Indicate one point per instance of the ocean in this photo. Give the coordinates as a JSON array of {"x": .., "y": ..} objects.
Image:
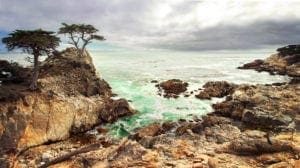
[{"x": 130, "y": 72}]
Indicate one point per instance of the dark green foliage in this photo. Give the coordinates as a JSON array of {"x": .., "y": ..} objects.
[
  {"x": 36, "y": 42},
  {"x": 289, "y": 50},
  {"x": 80, "y": 34},
  {"x": 10, "y": 72}
]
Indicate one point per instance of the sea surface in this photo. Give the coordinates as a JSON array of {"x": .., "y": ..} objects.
[{"x": 130, "y": 72}]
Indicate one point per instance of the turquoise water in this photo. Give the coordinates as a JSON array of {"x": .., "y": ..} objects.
[{"x": 130, "y": 71}]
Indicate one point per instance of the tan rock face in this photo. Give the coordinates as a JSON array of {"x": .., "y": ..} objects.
[{"x": 56, "y": 119}]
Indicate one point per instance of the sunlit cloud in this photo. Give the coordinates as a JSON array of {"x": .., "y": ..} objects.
[{"x": 172, "y": 24}]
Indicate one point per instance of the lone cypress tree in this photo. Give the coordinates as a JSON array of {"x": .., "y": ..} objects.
[
  {"x": 80, "y": 35},
  {"x": 35, "y": 42}
]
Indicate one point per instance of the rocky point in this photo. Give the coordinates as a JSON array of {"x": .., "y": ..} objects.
[{"x": 71, "y": 99}]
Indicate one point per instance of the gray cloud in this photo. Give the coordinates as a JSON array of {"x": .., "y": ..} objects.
[
  {"x": 172, "y": 24},
  {"x": 255, "y": 35}
]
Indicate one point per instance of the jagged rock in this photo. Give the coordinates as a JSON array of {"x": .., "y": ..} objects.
[
  {"x": 72, "y": 75},
  {"x": 286, "y": 62},
  {"x": 150, "y": 130},
  {"x": 261, "y": 118},
  {"x": 216, "y": 89},
  {"x": 232, "y": 109},
  {"x": 101, "y": 130},
  {"x": 133, "y": 154},
  {"x": 173, "y": 87},
  {"x": 115, "y": 109},
  {"x": 262, "y": 106},
  {"x": 256, "y": 64},
  {"x": 256, "y": 142}
]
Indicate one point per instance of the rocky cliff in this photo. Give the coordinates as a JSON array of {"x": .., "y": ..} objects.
[{"x": 71, "y": 99}]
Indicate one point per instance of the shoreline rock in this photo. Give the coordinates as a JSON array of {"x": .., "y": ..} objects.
[
  {"x": 216, "y": 89},
  {"x": 285, "y": 62},
  {"x": 172, "y": 88}
]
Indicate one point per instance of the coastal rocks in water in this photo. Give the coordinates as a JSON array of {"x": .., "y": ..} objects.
[
  {"x": 262, "y": 106},
  {"x": 285, "y": 62},
  {"x": 153, "y": 129},
  {"x": 216, "y": 89},
  {"x": 115, "y": 109},
  {"x": 233, "y": 109},
  {"x": 172, "y": 88}
]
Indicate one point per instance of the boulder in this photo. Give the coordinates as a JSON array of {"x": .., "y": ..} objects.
[
  {"x": 261, "y": 118},
  {"x": 115, "y": 109},
  {"x": 216, "y": 89},
  {"x": 256, "y": 142},
  {"x": 173, "y": 87},
  {"x": 151, "y": 130}
]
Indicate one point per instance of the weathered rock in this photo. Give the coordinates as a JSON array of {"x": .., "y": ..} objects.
[
  {"x": 150, "y": 130},
  {"x": 286, "y": 62},
  {"x": 256, "y": 64},
  {"x": 132, "y": 154},
  {"x": 232, "y": 109},
  {"x": 256, "y": 142},
  {"x": 101, "y": 130},
  {"x": 115, "y": 109},
  {"x": 67, "y": 73},
  {"x": 173, "y": 87},
  {"x": 262, "y": 106},
  {"x": 216, "y": 89},
  {"x": 261, "y": 118}
]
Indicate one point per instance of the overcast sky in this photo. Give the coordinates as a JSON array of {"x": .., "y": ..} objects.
[{"x": 172, "y": 24}]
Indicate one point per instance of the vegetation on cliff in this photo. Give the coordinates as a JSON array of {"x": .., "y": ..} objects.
[
  {"x": 80, "y": 35},
  {"x": 35, "y": 42}
]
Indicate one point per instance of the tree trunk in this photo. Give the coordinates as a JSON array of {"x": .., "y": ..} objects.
[
  {"x": 82, "y": 49},
  {"x": 33, "y": 85}
]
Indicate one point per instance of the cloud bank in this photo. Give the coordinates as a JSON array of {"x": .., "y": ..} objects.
[{"x": 172, "y": 24}]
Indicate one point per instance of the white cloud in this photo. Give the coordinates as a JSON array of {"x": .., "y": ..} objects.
[{"x": 154, "y": 22}]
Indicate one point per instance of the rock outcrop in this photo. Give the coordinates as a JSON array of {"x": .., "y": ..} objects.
[
  {"x": 216, "y": 89},
  {"x": 262, "y": 106},
  {"x": 172, "y": 88},
  {"x": 71, "y": 99},
  {"x": 285, "y": 62}
]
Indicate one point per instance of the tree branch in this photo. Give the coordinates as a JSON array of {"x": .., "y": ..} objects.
[{"x": 69, "y": 155}]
